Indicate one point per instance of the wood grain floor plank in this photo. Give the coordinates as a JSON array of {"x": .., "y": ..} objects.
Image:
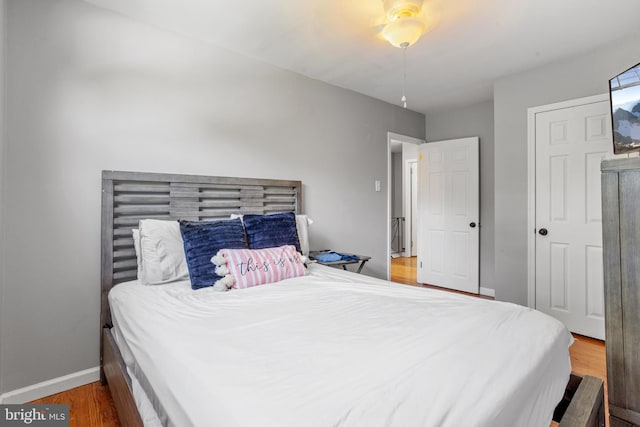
[
  {"x": 403, "y": 270},
  {"x": 89, "y": 406}
]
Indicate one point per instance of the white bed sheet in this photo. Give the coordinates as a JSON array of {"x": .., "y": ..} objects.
[{"x": 335, "y": 348}]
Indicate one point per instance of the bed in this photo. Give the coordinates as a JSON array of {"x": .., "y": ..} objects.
[{"x": 328, "y": 348}]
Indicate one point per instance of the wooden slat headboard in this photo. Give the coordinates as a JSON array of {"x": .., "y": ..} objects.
[{"x": 128, "y": 197}]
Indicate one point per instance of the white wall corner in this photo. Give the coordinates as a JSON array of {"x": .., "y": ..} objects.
[
  {"x": 47, "y": 388},
  {"x": 487, "y": 292}
]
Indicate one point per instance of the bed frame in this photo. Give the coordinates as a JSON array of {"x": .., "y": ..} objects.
[
  {"x": 582, "y": 404},
  {"x": 128, "y": 197}
]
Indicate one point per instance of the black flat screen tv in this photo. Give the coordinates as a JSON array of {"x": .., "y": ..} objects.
[{"x": 624, "y": 91}]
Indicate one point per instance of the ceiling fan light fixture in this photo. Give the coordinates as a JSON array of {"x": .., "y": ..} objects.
[
  {"x": 403, "y": 32},
  {"x": 397, "y": 9}
]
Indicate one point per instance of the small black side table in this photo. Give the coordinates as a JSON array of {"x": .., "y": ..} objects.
[{"x": 362, "y": 259}]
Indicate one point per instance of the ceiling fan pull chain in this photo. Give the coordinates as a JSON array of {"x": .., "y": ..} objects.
[{"x": 404, "y": 76}]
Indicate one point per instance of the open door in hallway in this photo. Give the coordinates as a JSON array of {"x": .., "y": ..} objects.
[{"x": 448, "y": 211}]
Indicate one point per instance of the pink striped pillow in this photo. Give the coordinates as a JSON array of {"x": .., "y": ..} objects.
[{"x": 244, "y": 268}]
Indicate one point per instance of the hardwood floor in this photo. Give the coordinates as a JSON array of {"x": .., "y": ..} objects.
[
  {"x": 403, "y": 270},
  {"x": 89, "y": 406},
  {"x": 92, "y": 406}
]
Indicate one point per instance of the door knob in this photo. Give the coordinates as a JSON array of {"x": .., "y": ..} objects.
[
  {"x": 543, "y": 232},
  {"x": 472, "y": 225}
]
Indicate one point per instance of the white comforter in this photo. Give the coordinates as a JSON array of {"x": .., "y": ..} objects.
[{"x": 339, "y": 349}]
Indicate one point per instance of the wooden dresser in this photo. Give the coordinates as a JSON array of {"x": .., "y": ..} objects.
[{"x": 621, "y": 245}]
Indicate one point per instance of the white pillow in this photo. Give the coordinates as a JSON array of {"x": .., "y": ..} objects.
[
  {"x": 162, "y": 252},
  {"x": 302, "y": 224},
  {"x": 136, "y": 246}
]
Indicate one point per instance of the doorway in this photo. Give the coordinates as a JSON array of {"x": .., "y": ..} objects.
[{"x": 402, "y": 150}]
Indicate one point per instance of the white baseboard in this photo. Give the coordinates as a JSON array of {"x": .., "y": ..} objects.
[
  {"x": 488, "y": 292},
  {"x": 47, "y": 388}
]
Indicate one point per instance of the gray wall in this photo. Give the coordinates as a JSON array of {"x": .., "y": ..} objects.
[
  {"x": 90, "y": 90},
  {"x": 573, "y": 78},
  {"x": 473, "y": 120}
]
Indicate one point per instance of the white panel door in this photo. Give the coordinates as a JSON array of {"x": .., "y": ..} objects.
[
  {"x": 570, "y": 144},
  {"x": 448, "y": 211}
]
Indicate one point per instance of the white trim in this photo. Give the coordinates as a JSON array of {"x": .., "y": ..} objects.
[
  {"x": 3, "y": 142},
  {"x": 399, "y": 138},
  {"x": 531, "y": 207},
  {"x": 407, "y": 187},
  {"x": 488, "y": 292},
  {"x": 404, "y": 138},
  {"x": 388, "y": 257},
  {"x": 531, "y": 184},
  {"x": 53, "y": 386}
]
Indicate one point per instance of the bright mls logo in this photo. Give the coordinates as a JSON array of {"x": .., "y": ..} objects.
[{"x": 34, "y": 415}]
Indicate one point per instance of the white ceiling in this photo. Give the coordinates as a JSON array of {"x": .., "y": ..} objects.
[{"x": 469, "y": 45}]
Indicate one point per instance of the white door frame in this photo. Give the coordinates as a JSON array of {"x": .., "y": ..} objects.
[
  {"x": 407, "y": 205},
  {"x": 391, "y": 136},
  {"x": 531, "y": 185}
]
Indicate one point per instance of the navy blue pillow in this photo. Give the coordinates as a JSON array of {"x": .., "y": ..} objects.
[
  {"x": 270, "y": 231},
  {"x": 202, "y": 240}
]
